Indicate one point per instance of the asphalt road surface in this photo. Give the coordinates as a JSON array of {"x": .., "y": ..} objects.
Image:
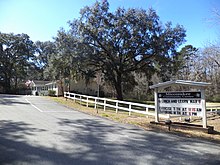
[{"x": 38, "y": 131}]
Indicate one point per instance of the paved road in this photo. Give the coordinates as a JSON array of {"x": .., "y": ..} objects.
[{"x": 37, "y": 131}]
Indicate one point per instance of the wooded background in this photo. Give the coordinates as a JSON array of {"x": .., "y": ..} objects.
[{"x": 130, "y": 48}]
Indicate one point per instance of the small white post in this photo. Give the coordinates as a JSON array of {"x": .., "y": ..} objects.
[
  {"x": 74, "y": 98},
  {"x": 95, "y": 104},
  {"x": 156, "y": 105},
  {"x": 87, "y": 102},
  {"x": 147, "y": 111},
  {"x": 80, "y": 99},
  {"x": 104, "y": 104},
  {"x": 116, "y": 107},
  {"x": 65, "y": 95},
  {"x": 204, "y": 114},
  {"x": 129, "y": 110}
]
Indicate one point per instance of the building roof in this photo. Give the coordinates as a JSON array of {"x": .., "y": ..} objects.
[
  {"x": 51, "y": 83},
  {"x": 38, "y": 82},
  {"x": 180, "y": 82}
]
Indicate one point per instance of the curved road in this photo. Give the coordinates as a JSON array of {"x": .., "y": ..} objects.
[{"x": 35, "y": 130}]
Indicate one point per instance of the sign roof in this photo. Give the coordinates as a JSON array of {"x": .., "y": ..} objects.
[{"x": 180, "y": 82}]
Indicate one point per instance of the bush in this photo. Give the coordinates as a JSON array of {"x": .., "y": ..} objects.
[
  {"x": 51, "y": 93},
  {"x": 216, "y": 98}
]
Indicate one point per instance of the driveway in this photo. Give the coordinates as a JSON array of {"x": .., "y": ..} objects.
[{"x": 35, "y": 130}]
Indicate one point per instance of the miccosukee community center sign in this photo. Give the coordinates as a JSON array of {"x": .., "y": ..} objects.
[{"x": 181, "y": 103}]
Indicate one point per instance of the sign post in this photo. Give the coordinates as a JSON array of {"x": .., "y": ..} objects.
[
  {"x": 156, "y": 105},
  {"x": 204, "y": 114}
]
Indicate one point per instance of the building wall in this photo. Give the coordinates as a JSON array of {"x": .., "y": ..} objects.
[
  {"x": 39, "y": 90},
  {"x": 77, "y": 86},
  {"x": 55, "y": 86},
  {"x": 80, "y": 86}
]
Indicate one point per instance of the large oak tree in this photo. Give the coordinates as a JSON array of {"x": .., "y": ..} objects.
[{"x": 124, "y": 41}]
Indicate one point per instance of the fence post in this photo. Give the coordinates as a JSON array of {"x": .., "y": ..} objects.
[
  {"x": 80, "y": 99},
  {"x": 129, "y": 110},
  {"x": 147, "y": 111},
  {"x": 74, "y": 98},
  {"x": 104, "y": 104},
  {"x": 95, "y": 104},
  {"x": 65, "y": 96},
  {"x": 117, "y": 107},
  {"x": 87, "y": 104}
]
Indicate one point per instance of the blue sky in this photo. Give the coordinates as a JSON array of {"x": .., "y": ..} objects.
[{"x": 41, "y": 19}]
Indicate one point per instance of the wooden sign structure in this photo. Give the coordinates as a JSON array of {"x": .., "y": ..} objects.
[{"x": 182, "y": 103}]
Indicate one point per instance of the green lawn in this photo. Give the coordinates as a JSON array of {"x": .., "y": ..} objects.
[{"x": 212, "y": 104}]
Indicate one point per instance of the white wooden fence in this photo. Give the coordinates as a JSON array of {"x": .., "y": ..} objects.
[
  {"x": 213, "y": 109},
  {"x": 115, "y": 104},
  {"x": 145, "y": 109}
]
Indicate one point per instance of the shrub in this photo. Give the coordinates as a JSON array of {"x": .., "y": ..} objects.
[
  {"x": 51, "y": 93},
  {"x": 216, "y": 98}
]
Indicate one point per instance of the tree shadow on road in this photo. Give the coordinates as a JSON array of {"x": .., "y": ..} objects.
[
  {"x": 14, "y": 149},
  {"x": 92, "y": 141},
  {"x": 129, "y": 145},
  {"x": 12, "y": 99}
]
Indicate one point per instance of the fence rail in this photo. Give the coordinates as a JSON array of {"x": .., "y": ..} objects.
[
  {"x": 213, "y": 109},
  {"x": 130, "y": 107},
  {"x": 116, "y": 104}
]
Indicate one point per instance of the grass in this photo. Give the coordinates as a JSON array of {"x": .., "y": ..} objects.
[
  {"x": 212, "y": 104},
  {"x": 142, "y": 120},
  {"x": 140, "y": 101}
]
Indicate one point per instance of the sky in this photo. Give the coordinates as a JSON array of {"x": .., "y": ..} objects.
[{"x": 41, "y": 19}]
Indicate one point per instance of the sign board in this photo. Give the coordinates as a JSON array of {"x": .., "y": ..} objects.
[{"x": 180, "y": 103}]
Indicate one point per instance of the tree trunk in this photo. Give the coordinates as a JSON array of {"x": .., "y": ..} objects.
[
  {"x": 61, "y": 87},
  {"x": 7, "y": 85},
  {"x": 16, "y": 83},
  {"x": 119, "y": 91},
  {"x": 118, "y": 87}
]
